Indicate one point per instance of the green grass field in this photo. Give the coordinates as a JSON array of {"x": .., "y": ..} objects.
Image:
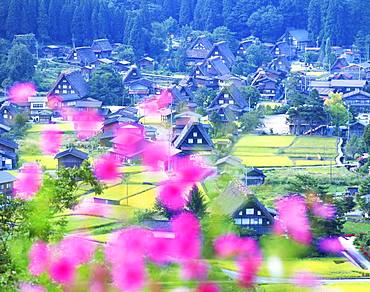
[
  {"x": 356, "y": 227},
  {"x": 77, "y": 222},
  {"x": 285, "y": 151}
]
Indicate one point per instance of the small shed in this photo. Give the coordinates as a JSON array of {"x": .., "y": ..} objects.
[
  {"x": 254, "y": 177},
  {"x": 6, "y": 183},
  {"x": 71, "y": 157}
]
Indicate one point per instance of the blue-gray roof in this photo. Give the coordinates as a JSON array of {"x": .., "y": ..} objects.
[
  {"x": 8, "y": 143},
  {"x": 6, "y": 177},
  {"x": 74, "y": 152}
]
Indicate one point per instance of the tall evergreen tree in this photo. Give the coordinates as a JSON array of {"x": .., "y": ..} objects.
[
  {"x": 4, "y": 6},
  {"x": 186, "y": 12},
  {"x": 14, "y": 18},
  {"x": 314, "y": 25},
  {"x": 66, "y": 17},
  {"x": 54, "y": 14},
  {"x": 42, "y": 22}
]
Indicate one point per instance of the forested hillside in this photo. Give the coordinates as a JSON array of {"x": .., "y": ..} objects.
[{"x": 137, "y": 22}]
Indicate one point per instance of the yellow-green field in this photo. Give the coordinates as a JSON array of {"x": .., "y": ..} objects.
[{"x": 280, "y": 151}]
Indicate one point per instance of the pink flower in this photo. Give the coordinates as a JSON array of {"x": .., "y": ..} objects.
[
  {"x": 38, "y": 258},
  {"x": 164, "y": 99},
  {"x": 51, "y": 141},
  {"x": 186, "y": 225},
  {"x": 27, "y": 287},
  {"x": 99, "y": 279},
  {"x": 155, "y": 154},
  {"x": 86, "y": 123},
  {"x": 160, "y": 250},
  {"x": 54, "y": 102},
  {"x": 292, "y": 219},
  {"x": 325, "y": 211},
  {"x": 129, "y": 276},
  {"x": 28, "y": 181},
  {"x": 305, "y": 279},
  {"x": 227, "y": 245},
  {"x": 192, "y": 170},
  {"x": 129, "y": 140},
  {"x": 330, "y": 245},
  {"x": 173, "y": 194},
  {"x": 20, "y": 92},
  {"x": 208, "y": 287},
  {"x": 249, "y": 266},
  {"x": 194, "y": 270},
  {"x": 62, "y": 270},
  {"x": 78, "y": 249},
  {"x": 88, "y": 207},
  {"x": 106, "y": 168},
  {"x": 128, "y": 244},
  {"x": 154, "y": 104}
]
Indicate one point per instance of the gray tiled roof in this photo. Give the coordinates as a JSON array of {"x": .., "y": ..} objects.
[
  {"x": 74, "y": 152},
  {"x": 6, "y": 177},
  {"x": 101, "y": 45}
]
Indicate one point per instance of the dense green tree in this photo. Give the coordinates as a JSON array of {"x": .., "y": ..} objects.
[
  {"x": 294, "y": 12},
  {"x": 106, "y": 85},
  {"x": 315, "y": 21},
  {"x": 250, "y": 121},
  {"x": 4, "y": 6},
  {"x": 251, "y": 95},
  {"x": 54, "y": 14},
  {"x": 14, "y": 20},
  {"x": 266, "y": 23},
  {"x": 196, "y": 203},
  {"x": 366, "y": 136},
  {"x": 355, "y": 146},
  {"x": 20, "y": 64},
  {"x": 186, "y": 11}
]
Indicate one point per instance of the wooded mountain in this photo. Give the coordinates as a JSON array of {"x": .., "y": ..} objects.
[{"x": 132, "y": 21}]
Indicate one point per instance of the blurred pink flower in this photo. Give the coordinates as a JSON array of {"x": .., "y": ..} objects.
[
  {"x": 28, "y": 181},
  {"x": 155, "y": 154},
  {"x": 173, "y": 194},
  {"x": 63, "y": 270},
  {"x": 86, "y": 123},
  {"x": 248, "y": 268},
  {"x": 160, "y": 250},
  {"x": 306, "y": 279},
  {"x": 292, "y": 219},
  {"x": 191, "y": 171},
  {"x": 164, "y": 99},
  {"x": 129, "y": 140},
  {"x": 54, "y": 102},
  {"x": 194, "y": 270},
  {"x": 227, "y": 245},
  {"x": 330, "y": 245},
  {"x": 325, "y": 211},
  {"x": 38, "y": 258},
  {"x": 88, "y": 207},
  {"x": 20, "y": 92},
  {"x": 154, "y": 104},
  {"x": 78, "y": 249},
  {"x": 51, "y": 141},
  {"x": 99, "y": 279},
  {"x": 129, "y": 276},
  {"x": 131, "y": 243},
  {"x": 208, "y": 287},
  {"x": 106, "y": 168},
  {"x": 27, "y": 287}
]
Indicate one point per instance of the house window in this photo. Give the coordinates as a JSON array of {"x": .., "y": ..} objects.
[
  {"x": 57, "y": 91},
  {"x": 260, "y": 221},
  {"x": 38, "y": 105},
  {"x": 64, "y": 91},
  {"x": 195, "y": 134},
  {"x": 59, "y": 86},
  {"x": 249, "y": 211},
  {"x": 240, "y": 213},
  {"x": 65, "y": 86},
  {"x": 258, "y": 212},
  {"x": 238, "y": 221},
  {"x": 268, "y": 222},
  {"x": 231, "y": 101},
  {"x": 216, "y": 52},
  {"x": 226, "y": 95},
  {"x": 190, "y": 141},
  {"x": 72, "y": 91},
  {"x": 246, "y": 221},
  {"x": 5, "y": 116},
  {"x": 2, "y": 187},
  {"x": 199, "y": 141},
  {"x": 209, "y": 66},
  {"x": 197, "y": 72},
  {"x": 221, "y": 101}
]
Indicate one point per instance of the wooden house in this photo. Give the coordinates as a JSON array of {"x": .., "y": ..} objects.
[
  {"x": 70, "y": 85},
  {"x": 198, "y": 50},
  {"x": 338, "y": 65},
  {"x": 39, "y": 111},
  {"x": 357, "y": 128},
  {"x": 4, "y": 127},
  {"x": 345, "y": 86},
  {"x": 182, "y": 119},
  {"x": 267, "y": 82},
  {"x": 181, "y": 94},
  {"x": 70, "y": 158},
  {"x": 146, "y": 63},
  {"x": 297, "y": 38},
  {"x": 254, "y": 177},
  {"x": 222, "y": 50},
  {"x": 193, "y": 138},
  {"x": 227, "y": 163},
  {"x": 8, "y": 112},
  {"x": 102, "y": 48},
  {"x": 358, "y": 71},
  {"x": 8, "y": 155},
  {"x": 283, "y": 48},
  {"x": 53, "y": 51},
  {"x": 136, "y": 84},
  {"x": 6, "y": 183},
  {"x": 245, "y": 44},
  {"x": 280, "y": 63},
  {"x": 211, "y": 67},
  {"x": 247, "y": 212},
  {"x": 358, "y": 101},
  {"x": 82, "y": 56},
  {"x": 122, "y": 66}
]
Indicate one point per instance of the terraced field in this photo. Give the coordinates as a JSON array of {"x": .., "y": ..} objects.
[{"x": 280, "y": 151}]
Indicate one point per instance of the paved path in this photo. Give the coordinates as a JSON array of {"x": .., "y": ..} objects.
[
  {"x": 352, "y": 254},
  {"x": 268, "y": 280}
]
